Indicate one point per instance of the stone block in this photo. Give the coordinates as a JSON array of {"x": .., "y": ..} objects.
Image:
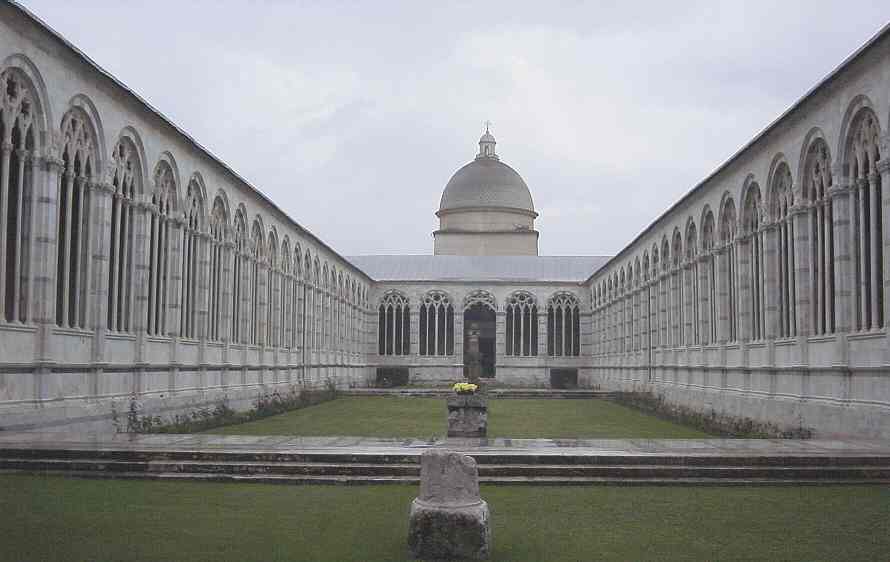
[
  {"x": 467, "y": 415},
  {"x": 449, "y": 520}
]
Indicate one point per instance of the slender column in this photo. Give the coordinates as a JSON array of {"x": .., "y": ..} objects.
[
  {"x": 82, "y": 256},
  {"x": 817, "y": 265},
  {"x": 875, "y": 247},
  {"x": 863, "y": 257},
  {"x": 883, "y": 167},
  {"x": 116, "y": 244},
  {"x": 19, "y": 235},
  {"x": 5, "y": 154}
]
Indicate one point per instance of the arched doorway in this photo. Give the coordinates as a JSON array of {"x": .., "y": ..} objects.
[{"x": 480, "y": 339}]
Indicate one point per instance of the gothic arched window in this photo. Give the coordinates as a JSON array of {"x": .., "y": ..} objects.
[
  {"x": 780, "y": 205},
  {"x": 436, "y": 324},
  {"x": 863, "y": 154},
  {"x": 218, "y": 225},
  {"x": 394, "y": 325},
  {"x": 751, "y": 228},
  {"x": 79, "y": 166},
  {"x": 191, "y": 250},
  {"x": 163, "y": 204},
  {"x": 521, "y": 318},
  {"x": 17, "y": 170},
  {"x": 126, "y": 182},
  {"x": 563, "y": 326},
  {"x": 239, "y": 274},
  {"x": 817, "y": 181},
  {"x": 729, "y": 269}
]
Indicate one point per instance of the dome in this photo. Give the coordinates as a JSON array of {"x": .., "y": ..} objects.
[{"x": 486, "y": 182}]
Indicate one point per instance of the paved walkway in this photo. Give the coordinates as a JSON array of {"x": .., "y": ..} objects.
[{"x": 409, "y": 447}]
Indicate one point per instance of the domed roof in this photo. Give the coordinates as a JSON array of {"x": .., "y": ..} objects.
[{"x": 486, "y": 182}]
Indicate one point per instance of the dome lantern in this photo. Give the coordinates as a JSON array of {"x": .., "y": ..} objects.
[{"x": 487, "y": 144}]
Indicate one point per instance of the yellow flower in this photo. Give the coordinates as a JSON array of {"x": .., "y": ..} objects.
[{"x": 464, "y": 387}]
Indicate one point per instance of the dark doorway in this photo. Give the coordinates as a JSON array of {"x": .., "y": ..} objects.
[
  {"x": 563, "y": 378},
  {"x": 479, "y": 324}
]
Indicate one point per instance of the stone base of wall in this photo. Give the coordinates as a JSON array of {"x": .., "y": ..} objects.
[
  {"x": 825, "y": 416},
  {"x": 532, "y": 376},
  {"x": 109, "y": 413}
]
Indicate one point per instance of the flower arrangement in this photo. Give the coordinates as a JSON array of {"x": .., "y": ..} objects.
[{"x": 464, "y": 388}]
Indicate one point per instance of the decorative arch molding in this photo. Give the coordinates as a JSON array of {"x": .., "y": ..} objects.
[
  {"x": 480, "y": 297},
  {"x": 131, "y": 135},
  {"x": 851, "y": 116},
  {"x": 166, "y": 181},
  {"x": 86, "y": 105},
  {"x": 196, "y": 181},
  {"x": 813, "y": 137},
  {"x": 28, "y": 70}
]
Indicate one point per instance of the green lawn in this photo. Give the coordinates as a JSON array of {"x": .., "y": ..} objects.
[
  {"x": 59, "y": 519},
  {"x": 424, "y": 417}
]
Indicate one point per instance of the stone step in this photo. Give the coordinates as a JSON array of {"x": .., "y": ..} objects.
[
  {"x": 414, "y": 480},
  {"x": 534, "y": 471},
  {"x": 492, "y": 393},
  {"x": 564, "y": 458}
]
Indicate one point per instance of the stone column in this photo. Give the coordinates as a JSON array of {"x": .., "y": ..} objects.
[
  {"x": 883, "y": 170},
  {"x": 803, "y": 273},
  {"x": 772, "y": 264},
  {"x": 722, "y": 293},
  {"x": 99, "y": 243},
  {"x": 43, "y": 259},
  {"x": 844, "y": 261}
]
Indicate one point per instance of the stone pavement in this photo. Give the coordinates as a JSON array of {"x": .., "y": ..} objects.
[{"x": 475, "y": 446}]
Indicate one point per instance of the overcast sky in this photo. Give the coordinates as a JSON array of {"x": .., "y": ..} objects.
[{"x": 353, "y": 116}]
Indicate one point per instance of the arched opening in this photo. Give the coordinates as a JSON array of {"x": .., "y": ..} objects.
[{"x": 479, "y": 340}]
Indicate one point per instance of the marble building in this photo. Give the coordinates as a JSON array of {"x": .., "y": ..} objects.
[{"x": 135, "y": 265}]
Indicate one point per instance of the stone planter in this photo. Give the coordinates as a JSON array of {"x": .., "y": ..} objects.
[{"x": 467, "y": 415}]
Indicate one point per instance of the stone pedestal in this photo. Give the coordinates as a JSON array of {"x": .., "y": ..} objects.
[
  {"x": 467, "y": 415},
  {"x": 449, "y": 520}
]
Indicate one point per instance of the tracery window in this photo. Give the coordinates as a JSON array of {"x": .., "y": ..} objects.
[
  {"x": 239, "y": 278},
  {"x": 17, "y": 164},
  {"x": 394, "y": 325},
  {"x": 218, "y": 222},
  {"x": 563, "y": 326},
  {"x": 191, "y": 250},
  {"x": 255, "y": 266},
  {"x": 781, "y": 201},
  {"x": 286, "y": 311},
  {"x": 75, "y": 199},
  {"x": 436, "y": 324},
  {"x": 297, "y": 299},
  {"x": 163, "y": 205},
  {"x": 521, "y": 318},
  {"x": 691, "y": 275},
  {"x": 729, "y": 270},
  {"x": 666, "y": 299},
  {"x": 709, "y": 316},
  {"x": 655, "y": 299},
  {"x": 751, "y": 227},
  {"x": 863, "y": 156},
  {"x": 271, "y": 335},
  {"x": 816, "y": 184},
  {"x": 678, "y": 315},
  {"x": 124, "y": 181}
]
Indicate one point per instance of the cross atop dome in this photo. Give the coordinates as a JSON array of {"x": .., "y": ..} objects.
[{"x": 487, "y": 144}]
